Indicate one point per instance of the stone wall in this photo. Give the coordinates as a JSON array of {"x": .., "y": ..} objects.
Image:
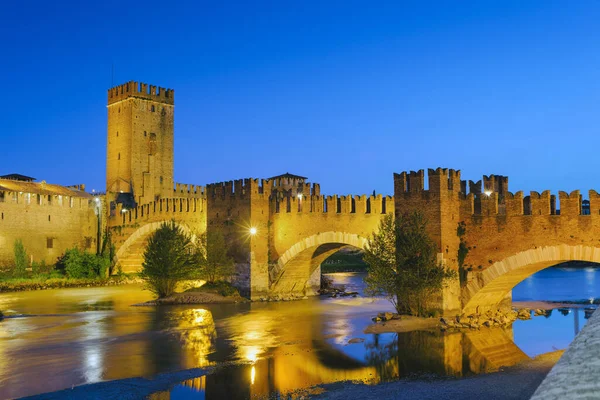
[{"x": 46, "y": 227}]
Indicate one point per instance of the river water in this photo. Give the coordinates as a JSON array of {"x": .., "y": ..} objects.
[{"x": 71, "y": 337}]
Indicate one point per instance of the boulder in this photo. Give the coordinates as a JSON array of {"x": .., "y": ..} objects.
[{"x": 388, "y": 316}]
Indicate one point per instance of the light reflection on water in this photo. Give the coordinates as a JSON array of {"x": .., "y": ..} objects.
[{"x": 89, "y": 335}]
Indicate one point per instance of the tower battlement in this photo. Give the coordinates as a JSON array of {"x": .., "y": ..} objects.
[{"x": 142, "y": 91}]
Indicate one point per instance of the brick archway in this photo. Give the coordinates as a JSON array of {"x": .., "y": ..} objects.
[
  {"x": 297, "y": 270},
  {"x": 491, "y": 286}
]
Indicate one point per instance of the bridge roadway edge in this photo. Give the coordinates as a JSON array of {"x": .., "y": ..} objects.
[{"x": 575, "y": 375}]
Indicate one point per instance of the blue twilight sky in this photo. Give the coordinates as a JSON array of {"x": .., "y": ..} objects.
[{"x": 343, "y": 92}]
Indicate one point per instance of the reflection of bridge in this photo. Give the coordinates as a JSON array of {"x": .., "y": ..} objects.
[
  {"x": 509, "y": 236},
  {"x": 285, "y": 356}
]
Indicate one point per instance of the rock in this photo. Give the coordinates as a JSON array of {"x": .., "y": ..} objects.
[
  {"x": 487, "y": 324},
  {"x": 305, "y": 298},
  {"x": 524, "y": 313},
  {"x": 388, "y": 316}
]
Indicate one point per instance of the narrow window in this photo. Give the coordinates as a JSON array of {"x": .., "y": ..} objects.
[
  {"x": 152, "y": 108},
  {"x": 49, "y": 243},
  {"x": 2, "y": 215},
  {"x": 353, "y": 206},
  {"x": 28, "y": 198},
  {"x": 117, "y": 133},
  {"x": 15, "y": 197},
  {"x": 369, "y": 205},
  {"x": 50, "y": 199},
  {"x": 39, "y": 199},
  {"x": 145, "y": 133},
  {"x": 48, "y": 218},
  {"x": 119, "y": 156},
  {"x": 1, "y": 197}
]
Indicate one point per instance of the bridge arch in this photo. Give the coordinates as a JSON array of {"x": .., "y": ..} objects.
[
  {"x": 297, "y": 269},
  {"x": 491, "y": 286},
  {"x": 130, "y": 254}
]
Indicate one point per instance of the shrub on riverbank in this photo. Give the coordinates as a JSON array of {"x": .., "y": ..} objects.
[
  {"x": 170, "y": 257},
  {"x": 80, "y": 264}
]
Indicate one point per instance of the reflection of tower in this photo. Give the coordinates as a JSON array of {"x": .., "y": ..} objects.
[{"x": 576, "y": 321}]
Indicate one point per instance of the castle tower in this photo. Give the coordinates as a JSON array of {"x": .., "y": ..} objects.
[{"x": 139, "y": 159}]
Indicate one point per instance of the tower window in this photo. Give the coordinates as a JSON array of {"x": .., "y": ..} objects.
[
  {"x": 49, "y": 243},
  {"x": 117, "y": 134},
  {"x": 119, "y": 156},
  {"x": 145, "y": 133},
  {"x": 152, "y": 108}
]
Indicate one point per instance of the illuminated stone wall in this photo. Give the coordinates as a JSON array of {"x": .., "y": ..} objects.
[{"x": 48, "y": 224}]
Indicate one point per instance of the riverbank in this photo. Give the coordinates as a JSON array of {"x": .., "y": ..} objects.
[
  {"x": 514, "y": 383},
  {"x": 44, "y": 283},
  {"x": 195, "y": 297}
]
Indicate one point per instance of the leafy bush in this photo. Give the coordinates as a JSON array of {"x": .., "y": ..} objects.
[
  {"x": 81, "y": 264},
  {"x": 169, "y": 258},
  {"x": 20, "y": 258}
]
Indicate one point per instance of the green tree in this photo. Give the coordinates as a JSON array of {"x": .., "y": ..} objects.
[
  {"x": 169, "y": 258},
  {"x": 213, "y": 253},
  {"x": 380, "y": 256},
  {"x": 20, "y": 258},
  {"x": 412, "y": 276}
]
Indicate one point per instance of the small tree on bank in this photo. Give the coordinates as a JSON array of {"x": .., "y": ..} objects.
[
  {"x": 21, "y": 263},
  {"x": 169, "y": 258},
  {"x": 407, "y": 272},
  {"x": 214, "y": 259}
]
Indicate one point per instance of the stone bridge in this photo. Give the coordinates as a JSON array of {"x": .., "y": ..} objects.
[
  {"x": 509, "y": 236},
  {"x": 282, "y": 229},
  {"x": 278, "y": 238}
]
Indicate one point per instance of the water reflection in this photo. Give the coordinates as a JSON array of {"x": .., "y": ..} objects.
[{"x": 89, "y": 335}]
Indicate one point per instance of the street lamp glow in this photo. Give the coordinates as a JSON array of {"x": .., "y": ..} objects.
[
  {"x": 124, "y": 210},
  {"x": 300, "y": 196},
  {"x": 253, "y": 231},
  {"x": 488, "y": 193}
]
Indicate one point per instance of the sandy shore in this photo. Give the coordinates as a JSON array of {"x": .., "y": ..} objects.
[
  {"x": 514, "y": 383},
  {"x": 406, "y": 323}
]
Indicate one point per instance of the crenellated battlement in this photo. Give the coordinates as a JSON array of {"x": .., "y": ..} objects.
[
  {"x": 160, "y": 210},
  {"x": 239, "y": 188},
  {"x": 357, "y": 204},
  {"x": 187, "y": 190},
  {"x": 140, "y": 90},
  {"x": 440, "y": 180}
]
